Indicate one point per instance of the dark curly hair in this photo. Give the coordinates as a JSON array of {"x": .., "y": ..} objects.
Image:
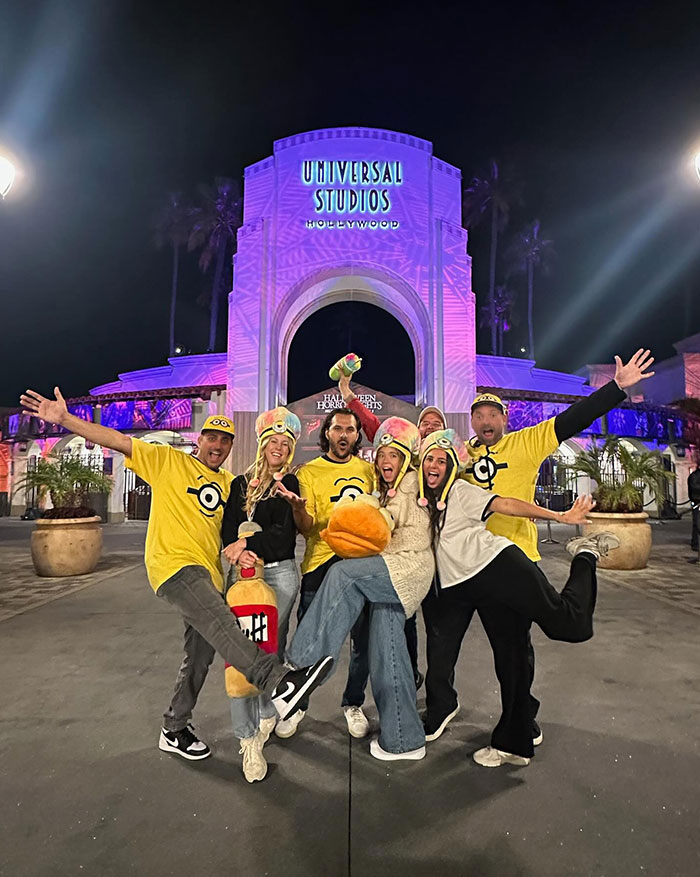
[
  {"x": 323, "y": 442},
  {"x": 437, "y": 517}
]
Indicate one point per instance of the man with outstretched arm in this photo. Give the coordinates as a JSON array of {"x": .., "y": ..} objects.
[
  {"x": 508, "y": 463},
  {"x": 183, "y": 562}
]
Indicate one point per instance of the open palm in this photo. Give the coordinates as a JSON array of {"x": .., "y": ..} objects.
[
  {"x": 51, "y": 410},
  {"x": 635, "y": 370}
]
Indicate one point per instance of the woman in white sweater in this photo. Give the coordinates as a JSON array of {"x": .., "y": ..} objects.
[{"x": 393, "y": 583}]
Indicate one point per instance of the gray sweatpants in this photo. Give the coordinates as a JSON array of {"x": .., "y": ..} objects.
[{"x": 210, "y": 627}]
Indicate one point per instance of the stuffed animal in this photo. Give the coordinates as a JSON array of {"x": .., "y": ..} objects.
[
  {"x": 254, "y": 604},
  {"x": 347, "y": 366},
  {"x": 358, "y": 527}
]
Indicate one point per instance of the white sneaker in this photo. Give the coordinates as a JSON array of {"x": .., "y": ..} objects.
[
  {"x": 267, "y": 726},
  {"x": 254, "y": 764},
  {"x": 358, "y": 725},
  {"x": 289, "y": 726},
  {"x": 599, "y": 544},
  {"x": 377, "y": 751},
  {"x": 490, "y": 757}
]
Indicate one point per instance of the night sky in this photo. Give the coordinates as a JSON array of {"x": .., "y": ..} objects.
[{"x": 109, "y": 105}]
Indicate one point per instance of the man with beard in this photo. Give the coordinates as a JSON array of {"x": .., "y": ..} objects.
[
  {"x": 338, "y": 473},
  {"x": 508, "y": 463}
]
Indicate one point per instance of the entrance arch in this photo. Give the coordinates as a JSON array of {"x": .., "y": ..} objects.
[
  {"x": 345, "y": 283},
  {"x": 366, "y": 329}
]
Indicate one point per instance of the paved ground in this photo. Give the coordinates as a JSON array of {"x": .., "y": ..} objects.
[{"x": 614, "y": 789}]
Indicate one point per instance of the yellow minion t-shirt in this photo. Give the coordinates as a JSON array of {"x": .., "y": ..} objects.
[
  {"x": 510, "y": 468},
  {"x": 322, "y": 483},
  {"x": 187, "y": 507}
]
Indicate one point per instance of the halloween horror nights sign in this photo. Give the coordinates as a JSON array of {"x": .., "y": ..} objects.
[{"x": 352, "y": 193}]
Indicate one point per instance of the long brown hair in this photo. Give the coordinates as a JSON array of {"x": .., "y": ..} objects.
[{"x": 437, "y": 516}]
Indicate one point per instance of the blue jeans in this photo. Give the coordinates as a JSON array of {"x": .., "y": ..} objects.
[
  {"x": 347, "y": 587},
  {"x": 246, "y": 712}
]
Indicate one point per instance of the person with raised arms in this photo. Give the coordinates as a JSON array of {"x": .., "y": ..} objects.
[
  {"x": 509, "y": 462},
  {"x": 183, "y": 548},
  {"x": 479, "y": 571}
]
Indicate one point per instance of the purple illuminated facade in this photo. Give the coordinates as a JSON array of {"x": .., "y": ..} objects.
[{"x": 351, "y": 214}]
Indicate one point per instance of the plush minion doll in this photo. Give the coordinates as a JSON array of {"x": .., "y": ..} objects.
[
  {"x": 358, "y": 527},
  {"x": 347, "y": 366},
  {"x": 277, "y": 421},
  {"x": 395, "y": 432},
  {"x": 445, "y": 440},
  {"x": 254, "y": 604}
]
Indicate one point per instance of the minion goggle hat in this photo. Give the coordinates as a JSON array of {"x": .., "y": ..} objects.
[
  {"x": 219, "y": 423},
  {"x": 403, "y": 435},
  {"x": 444, "y": 440},
  {"x": 489, "y": 399},
  {"x": 278, "y": 421}
]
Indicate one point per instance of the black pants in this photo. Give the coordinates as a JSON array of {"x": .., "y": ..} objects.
[
  {"x": 695, "y": 531},
  {"x": 509, "y": 593}
]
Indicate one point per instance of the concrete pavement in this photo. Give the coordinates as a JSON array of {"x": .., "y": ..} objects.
[{"x": 613, "y": 789}]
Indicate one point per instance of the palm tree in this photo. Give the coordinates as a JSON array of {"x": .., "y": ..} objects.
[
  {"x": 489, "y": 194},
  {"x": 528, "y": 252},
  {"x": 171, "y": 227},
  {"x": 504, "y": 300},
  {"x": 213, "y": 228}
]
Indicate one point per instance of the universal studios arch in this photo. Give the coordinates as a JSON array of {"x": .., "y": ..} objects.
[{"x": 359, "y": 214}]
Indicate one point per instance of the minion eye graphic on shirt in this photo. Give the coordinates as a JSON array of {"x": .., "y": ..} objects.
[
  {"x": 348, "y": 490},
  {"x": 209, "y": 497},
  {"x": 485, "y": 470}
]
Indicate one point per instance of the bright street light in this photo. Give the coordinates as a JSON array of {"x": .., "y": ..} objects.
[
  {"x": 697, "y": 164},
  {"x": 7, "y": 175}
]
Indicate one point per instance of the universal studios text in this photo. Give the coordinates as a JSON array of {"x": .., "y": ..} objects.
[{"x": 345, "y": 190}]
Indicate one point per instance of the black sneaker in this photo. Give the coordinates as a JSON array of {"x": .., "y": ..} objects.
[
  {"x": 420, "y": 679},
  {"x": 298, "y": 684},
  {"x": 435, "y": 727},
  {"x": 184, "y": 743}
]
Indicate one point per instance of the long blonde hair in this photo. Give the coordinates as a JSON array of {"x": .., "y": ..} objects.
[{"x": 260, "y": 470}]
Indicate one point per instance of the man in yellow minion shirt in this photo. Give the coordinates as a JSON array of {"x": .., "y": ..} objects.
[
  {"x": 338, "y": 473},
  {"x": 508, "y": 463},
  {"x": 183, "y": 561}
]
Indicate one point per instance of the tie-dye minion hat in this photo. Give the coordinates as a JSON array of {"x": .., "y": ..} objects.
[
  {"x": 347, "y": 366},
  {"x": 445, "y": 440},
  {"x": 395, "y": 432},
  {"x": 278, "y": 421}
]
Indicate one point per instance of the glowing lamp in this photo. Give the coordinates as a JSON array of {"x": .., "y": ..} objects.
[
  {"x": 697, "y": 164},
  {"x": 7, "y": 175}
]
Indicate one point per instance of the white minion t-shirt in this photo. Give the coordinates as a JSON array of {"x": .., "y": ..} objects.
[
  {"x": 510, "y": 468},
  {"x": 187, "y": 507}
]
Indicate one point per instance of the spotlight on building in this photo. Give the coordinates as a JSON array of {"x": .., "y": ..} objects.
[
  {"x": 523, "y": 350},
  {"x": 7, "y": 175},
  {"x": 179, "y": 350},
  {"x": 697, "y": 164}
]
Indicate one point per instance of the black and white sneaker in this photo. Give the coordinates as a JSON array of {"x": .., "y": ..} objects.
[
  {"x": 434, "y": 727},
  {"x": 184, "y": 743},
  {"x": 297, "y": 684}
]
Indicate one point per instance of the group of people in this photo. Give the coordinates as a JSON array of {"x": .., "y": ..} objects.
[{"x": 463, "y": 541}]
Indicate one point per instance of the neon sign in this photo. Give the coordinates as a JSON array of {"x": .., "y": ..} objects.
[{"x": 343, "y": 187}]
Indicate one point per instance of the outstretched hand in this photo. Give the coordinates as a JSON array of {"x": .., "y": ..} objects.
[
  {"x": 635, "y": 370},
  {"x": 296, "y": 502},
  {"x": 578, "y": 511},
  {"x": 36, "y": 405}
]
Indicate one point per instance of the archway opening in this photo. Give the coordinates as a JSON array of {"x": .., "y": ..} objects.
[{"x": 388, "y": 358}]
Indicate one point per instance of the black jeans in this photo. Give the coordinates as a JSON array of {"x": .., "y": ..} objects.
[
  {"x": 509, "y": 593},
  {"x": 695, "y": 531}
]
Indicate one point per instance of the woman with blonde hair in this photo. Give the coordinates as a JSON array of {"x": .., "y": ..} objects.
[{"x": 254, "y": 498}]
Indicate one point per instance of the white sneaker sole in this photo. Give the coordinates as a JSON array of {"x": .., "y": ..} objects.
[
  {"x": 357, "y": 733},
  {"x": 165, "y": 746},
  {"x": 285, "y": 733},
  {"x": 504, "y": 758},
  {"x": 445, "y": 722},
  {"x": 377, "y": 751}
]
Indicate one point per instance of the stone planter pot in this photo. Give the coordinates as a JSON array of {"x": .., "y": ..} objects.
[
  {"x": 635, "y": 538},
  {"x": 66, "y": 546}
]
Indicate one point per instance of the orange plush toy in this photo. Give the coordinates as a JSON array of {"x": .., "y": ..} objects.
[{"x": 358, "y": 527}]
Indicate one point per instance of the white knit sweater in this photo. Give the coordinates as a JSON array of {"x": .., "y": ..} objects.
[{"x": 408, "y": 555}]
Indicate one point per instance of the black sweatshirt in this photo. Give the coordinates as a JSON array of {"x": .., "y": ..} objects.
[
  {"x": 581, "y": 414},
  {"x": 274, "y": 514}
]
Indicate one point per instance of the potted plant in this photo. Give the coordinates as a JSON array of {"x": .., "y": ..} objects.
[
  {"x": 621, "y": 477},
  {"x": 67, "y": 539}
]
